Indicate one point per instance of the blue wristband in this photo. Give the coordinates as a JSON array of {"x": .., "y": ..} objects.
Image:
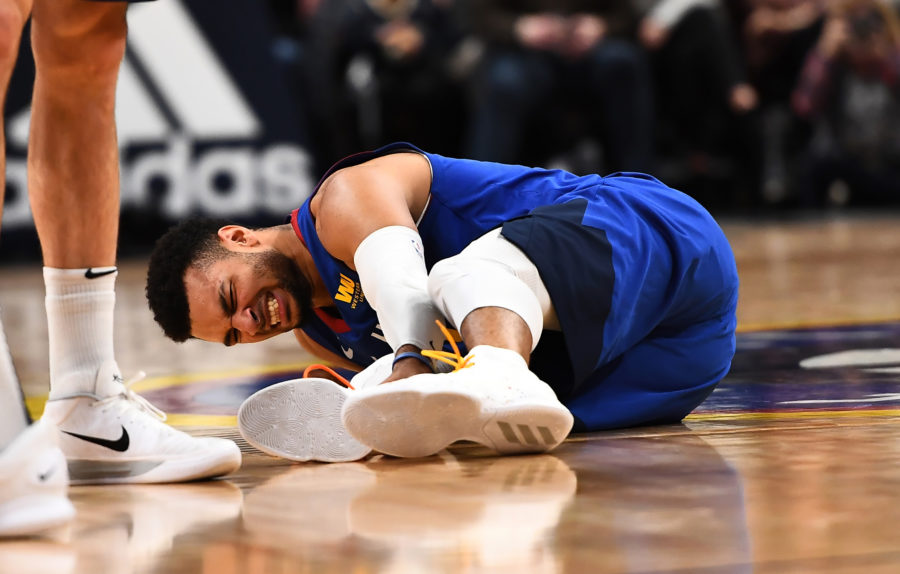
[{"x": 413, "y": 355}]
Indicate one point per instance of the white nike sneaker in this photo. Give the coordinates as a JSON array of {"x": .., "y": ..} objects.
[
  {"x": 492, "y": 399},
  {"x": 113, "y": 435},
  {"x": 33, "y": 484},
  {"x": 300, "y": 419}
]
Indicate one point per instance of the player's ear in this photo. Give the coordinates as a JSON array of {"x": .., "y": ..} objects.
[{"x": 235, "y": 237}]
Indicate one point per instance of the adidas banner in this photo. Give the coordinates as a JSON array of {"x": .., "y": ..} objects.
[{"x": 206, "y": 121}]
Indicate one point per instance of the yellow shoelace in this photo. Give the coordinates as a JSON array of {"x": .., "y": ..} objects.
[{"x": 454, "y": 359}]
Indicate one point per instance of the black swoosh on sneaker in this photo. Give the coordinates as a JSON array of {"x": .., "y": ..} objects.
[
  {"x": 91, "y": 274},
  {"x": 47, "y": 473},
  {"x": 119, "y": 445}
]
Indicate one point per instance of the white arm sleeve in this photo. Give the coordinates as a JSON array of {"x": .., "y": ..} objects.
[{"x": 391, "y": 267}]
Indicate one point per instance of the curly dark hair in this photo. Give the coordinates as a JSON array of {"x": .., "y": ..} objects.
[{"x": 193, "y": 241}]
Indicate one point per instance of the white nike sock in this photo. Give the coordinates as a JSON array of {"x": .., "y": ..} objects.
[
  {"x": 13, "y": 419},
  {"x": 80, "y": 306}
]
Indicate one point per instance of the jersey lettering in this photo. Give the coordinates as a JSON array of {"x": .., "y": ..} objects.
[{"x": 345, "y": 290}]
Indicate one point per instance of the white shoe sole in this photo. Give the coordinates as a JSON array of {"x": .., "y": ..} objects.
[
  {"x": 407, "y": 421},
  {"x": 300, "y": 420},
  {"x": 34, "y": 515}
]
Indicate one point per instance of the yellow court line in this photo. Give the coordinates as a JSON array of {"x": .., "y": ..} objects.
[
  {"x": 231, "y": 421},
  {"x": 35, "y": 407},
  {"x": 202, "y": 420},
  {"x": 154, "y": 383},
  {"x": 858, "y": 413},
  {"x": 789, "y": 325},
  {"x": 35, "y": 404}
]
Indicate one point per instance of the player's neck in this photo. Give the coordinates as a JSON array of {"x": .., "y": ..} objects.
[{"x": 284, "y": 239}]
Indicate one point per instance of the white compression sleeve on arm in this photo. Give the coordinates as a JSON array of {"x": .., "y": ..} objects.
[{"x": 391, "y": 267}]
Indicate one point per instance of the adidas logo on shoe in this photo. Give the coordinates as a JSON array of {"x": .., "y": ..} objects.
[{"x": 526, "y": 434}]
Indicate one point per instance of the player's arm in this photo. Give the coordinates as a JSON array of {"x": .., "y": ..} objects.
[{"x": 365, "y": 216}]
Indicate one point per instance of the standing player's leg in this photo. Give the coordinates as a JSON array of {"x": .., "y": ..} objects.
[
  {"x": 13, "y": 14},
  {"x": 73, "y": 179},
  {"x": 109, "y": 434}
]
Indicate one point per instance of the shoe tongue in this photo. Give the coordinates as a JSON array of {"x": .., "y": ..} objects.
[
  {"x": 109, "y": 380},
  {"x": 374, "y": 374}
]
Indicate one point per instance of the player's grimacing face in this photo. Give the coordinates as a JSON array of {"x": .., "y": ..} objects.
[{"x": 246, "y": 297}]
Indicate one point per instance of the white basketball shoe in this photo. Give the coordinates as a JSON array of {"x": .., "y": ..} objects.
[
  {"x": 113, "y": 435},
  {"x": 300, "y": 419},
  {"x": 33, "y": 484},
  {"x": 491, "y": 398}
]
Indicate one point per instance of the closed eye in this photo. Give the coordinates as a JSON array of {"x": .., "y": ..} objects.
[
  {"x": 235, "y": 334},
  {"x": 228, "y": 306}
]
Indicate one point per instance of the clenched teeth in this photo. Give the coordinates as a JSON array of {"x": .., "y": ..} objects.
[{"x": 272, "y": 303}]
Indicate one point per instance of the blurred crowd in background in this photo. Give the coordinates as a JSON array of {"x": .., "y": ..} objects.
[
  {"x": 741, "y": 103},
  {"x": 753, "y": 107}
]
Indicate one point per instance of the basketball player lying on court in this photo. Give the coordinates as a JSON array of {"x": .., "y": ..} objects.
[{"x": 603, "y": 302}]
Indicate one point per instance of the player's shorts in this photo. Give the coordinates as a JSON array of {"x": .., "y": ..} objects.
[{"x": 645, "y": 287}]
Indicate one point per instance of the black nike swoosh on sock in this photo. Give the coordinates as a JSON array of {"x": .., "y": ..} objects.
[
  {"x": 91, "y": 274},
  {"x": 119, "y": 445}
]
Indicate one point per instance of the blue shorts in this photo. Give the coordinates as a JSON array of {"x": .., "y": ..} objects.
[{"x": 645, "y": 287}]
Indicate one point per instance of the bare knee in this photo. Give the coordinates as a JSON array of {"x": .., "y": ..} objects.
[{"x": 78, "y": 43}]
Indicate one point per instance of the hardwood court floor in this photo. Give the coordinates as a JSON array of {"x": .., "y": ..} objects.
[{"x": 792, "y": 465}]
